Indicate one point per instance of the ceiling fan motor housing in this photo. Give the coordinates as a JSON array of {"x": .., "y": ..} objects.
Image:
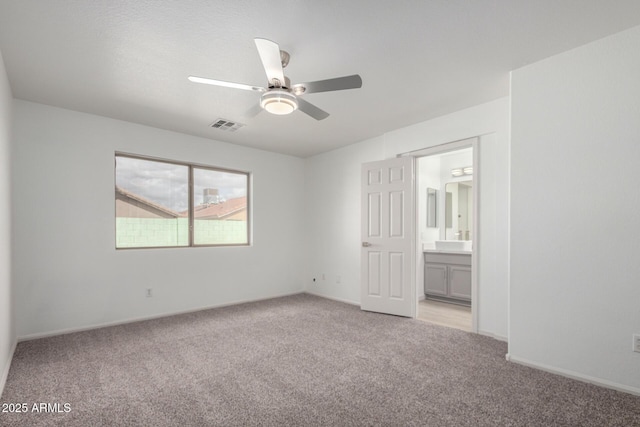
[{"x": 277, "y": 84}]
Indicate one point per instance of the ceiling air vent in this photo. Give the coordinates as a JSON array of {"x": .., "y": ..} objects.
[{"x": 226, "y": 125}]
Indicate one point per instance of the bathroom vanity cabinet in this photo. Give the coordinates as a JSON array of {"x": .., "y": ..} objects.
[{"x": 447, "y": 276}]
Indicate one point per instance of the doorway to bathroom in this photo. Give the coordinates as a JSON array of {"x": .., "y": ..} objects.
[{"x": 446, "y": 225}]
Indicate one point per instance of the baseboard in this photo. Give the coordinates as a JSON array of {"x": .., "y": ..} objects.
[
  {"x": 346, "y": 301},
  {"x": 143, "y": 318},
  {"x": 575, "y": 375},
  {"x": 5, "y": 370}
]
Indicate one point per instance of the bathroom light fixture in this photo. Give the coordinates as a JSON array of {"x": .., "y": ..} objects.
[
  {"x": 279, "y": 102},
  {"x": 467, "y": 170}
]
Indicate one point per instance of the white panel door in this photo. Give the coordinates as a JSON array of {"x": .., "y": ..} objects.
[{"x": 388, "y": 236}]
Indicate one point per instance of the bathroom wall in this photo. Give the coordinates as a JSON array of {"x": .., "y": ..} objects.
[
  {"x": 435, "y": 172},
  {"x": 449, "y": 161},
  {"x": 429, "y": 177}
]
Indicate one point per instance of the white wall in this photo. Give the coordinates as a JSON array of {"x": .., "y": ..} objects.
[
  {"x": 67, "y": 272},
  {"x": 575, "y": 275},
  {"x": 7, "y": 335},
  {"x": 429, "y": 177},
  {"x": 332, "y": 200},
  {"x": 333, "y": 205}
]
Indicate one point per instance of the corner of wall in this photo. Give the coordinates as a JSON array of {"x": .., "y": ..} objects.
[{"x": 7, "y": 326}]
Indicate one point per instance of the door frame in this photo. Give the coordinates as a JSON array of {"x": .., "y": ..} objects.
[{"x": 473, "y": 143}]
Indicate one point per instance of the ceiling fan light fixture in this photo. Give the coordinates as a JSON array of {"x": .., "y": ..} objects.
[{"x": 279, "y": 102}]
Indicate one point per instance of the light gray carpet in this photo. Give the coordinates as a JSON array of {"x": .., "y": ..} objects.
[{"x": 299, "y": 360}]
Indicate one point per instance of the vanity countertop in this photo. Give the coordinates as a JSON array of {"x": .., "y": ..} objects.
[{"x": 446, "y": 251}]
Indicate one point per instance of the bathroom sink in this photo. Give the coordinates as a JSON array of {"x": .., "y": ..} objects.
[{"x": 453, "y": 245}]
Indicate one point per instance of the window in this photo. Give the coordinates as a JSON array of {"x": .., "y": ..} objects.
[{"x": 161, "y": 203}]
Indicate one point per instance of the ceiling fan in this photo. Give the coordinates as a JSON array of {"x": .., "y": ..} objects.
[{"x": 280, "y": 97}]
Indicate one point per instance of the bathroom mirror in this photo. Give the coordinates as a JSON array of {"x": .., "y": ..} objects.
[
  {"x": 459, "y": 210},
  {"x": 432, "y": 207}
]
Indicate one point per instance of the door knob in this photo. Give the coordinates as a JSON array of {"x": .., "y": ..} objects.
[{"x": 366, "y": 244}]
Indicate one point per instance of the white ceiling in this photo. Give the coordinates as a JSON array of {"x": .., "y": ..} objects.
[{"x": 418, "y": 59}]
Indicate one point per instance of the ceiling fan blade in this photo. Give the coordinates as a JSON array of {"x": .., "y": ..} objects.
[
  {"x": 270, "y": 56},
  {"x": 312, "y": 110},
  {"x": 339, "y": 83},
  {"x": 225, "y": 84}
]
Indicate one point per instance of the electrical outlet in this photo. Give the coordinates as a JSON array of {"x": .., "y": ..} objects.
[
  {"x": 338, "y": 279},
  {"x": 636, "y": 343},
  {"x": 324, "y": 277},
  {"x": 149, "y": 292}
]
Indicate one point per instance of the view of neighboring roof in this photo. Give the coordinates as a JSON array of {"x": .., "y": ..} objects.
[
  {"x": 142, "y": 201},
  {"x": 232, "y": 209}
]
